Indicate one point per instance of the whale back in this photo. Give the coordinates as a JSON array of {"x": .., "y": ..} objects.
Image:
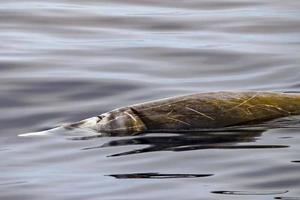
[{"x": 215, "y": 110}]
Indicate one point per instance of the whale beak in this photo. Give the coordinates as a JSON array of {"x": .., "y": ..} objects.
[
  {"x": 41, "y": 133},
  {"x": 88, "y": 124}
]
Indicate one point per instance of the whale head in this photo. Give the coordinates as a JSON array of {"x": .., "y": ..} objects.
[
  {"x": 115, "y": 123},
  {"x": 120, "y": 122}
]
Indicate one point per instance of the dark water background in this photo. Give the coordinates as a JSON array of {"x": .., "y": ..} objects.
[{"x": 63, "y": 61}]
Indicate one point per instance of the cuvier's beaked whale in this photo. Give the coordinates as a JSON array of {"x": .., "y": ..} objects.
[{"x": 195, "y": 112}]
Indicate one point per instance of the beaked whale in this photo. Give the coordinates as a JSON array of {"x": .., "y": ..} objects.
[{"x": 195, "y": 112}]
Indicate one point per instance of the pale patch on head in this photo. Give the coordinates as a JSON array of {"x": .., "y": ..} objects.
[
  {"x": 90, "y": 123},
  {"x": 131, "y": 116},
  {"x": 121, "y": 122}
]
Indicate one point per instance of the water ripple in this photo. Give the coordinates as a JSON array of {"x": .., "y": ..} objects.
[{"x": 63, "y": 61}]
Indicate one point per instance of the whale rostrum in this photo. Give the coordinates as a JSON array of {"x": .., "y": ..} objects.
[{"x": 195, "y": 112}]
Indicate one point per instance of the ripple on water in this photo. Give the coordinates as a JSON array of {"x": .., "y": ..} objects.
[{"x": 63, "y": 61}]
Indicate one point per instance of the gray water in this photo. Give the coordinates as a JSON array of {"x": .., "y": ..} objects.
[{"x": 63, "y": 61}]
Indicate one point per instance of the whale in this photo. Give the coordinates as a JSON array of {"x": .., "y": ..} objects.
[{"x": 190, "y": 113}]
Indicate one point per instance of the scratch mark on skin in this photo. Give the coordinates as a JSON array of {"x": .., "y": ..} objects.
[
  {"x": 248, "y": 110},
  {"x": 170, "y": 112},
  {"x": 165, "y": 104},
  {"x": 200, "y": 113},
  {"x": 244, "y": 102},
  {"x": 177, "y": 120},
  {"x": 271, "y": 108},
  {"x": 277, "y": 108},
  {"x": 131, "y": 116}
]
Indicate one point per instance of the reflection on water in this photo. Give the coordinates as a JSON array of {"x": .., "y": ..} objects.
[
  {"x": 249, "y": 193},
  {"x": 157, "y": 175},
  {"x": 63, "y": 61},
  {"x": 190, "y": 141}
]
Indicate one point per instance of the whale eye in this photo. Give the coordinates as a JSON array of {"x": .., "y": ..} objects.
[{"x": 100, "y": 117}]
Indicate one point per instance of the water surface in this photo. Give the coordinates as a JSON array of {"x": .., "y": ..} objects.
[{"x": 63, "y": 61}]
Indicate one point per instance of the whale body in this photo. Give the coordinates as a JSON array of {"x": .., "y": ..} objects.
[{"x": 195, "y": 112}]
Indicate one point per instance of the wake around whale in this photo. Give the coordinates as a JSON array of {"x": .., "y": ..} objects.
[{"x": 189, "y": 113}]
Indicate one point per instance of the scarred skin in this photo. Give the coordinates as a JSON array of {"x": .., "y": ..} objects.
[{"x": 194, "y": 112}]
